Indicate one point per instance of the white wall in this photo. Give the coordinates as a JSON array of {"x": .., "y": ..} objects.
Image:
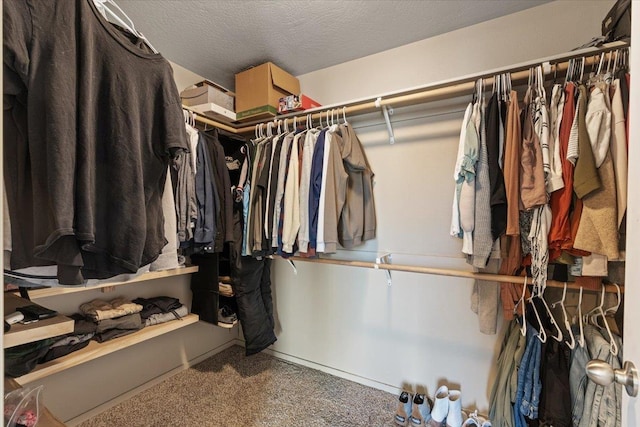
[
  {"x": 184, "y": 77},
  {"x": 419, "y": 331}
]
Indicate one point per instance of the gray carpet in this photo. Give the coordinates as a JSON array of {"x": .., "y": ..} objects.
[{"x": 231, "y": 390}]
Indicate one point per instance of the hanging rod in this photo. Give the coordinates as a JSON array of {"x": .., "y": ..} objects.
[
  {"x": 429, "y": 93},
  {"x": 446, "y": 272}
]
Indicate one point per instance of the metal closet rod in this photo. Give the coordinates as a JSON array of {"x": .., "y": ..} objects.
[
  {"x": 429, "y": 93},
  {"x": 446, "y": 272}
]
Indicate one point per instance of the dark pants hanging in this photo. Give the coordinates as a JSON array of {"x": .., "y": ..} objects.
[
  {"x": 204, "y": 287},
  {"x": 255, "y": 305},
  {"x": 251, "y": 281}
]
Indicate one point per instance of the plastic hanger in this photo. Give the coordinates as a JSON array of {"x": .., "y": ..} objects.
[
  {"x": 613, "y": 347},
  {"x": 572, "y": 343},
  {"x": 614, "y": 309},
  {"x": 523, "y": 328},
  {"x": 104, "y": 8},
  {"x": 542, "y": 334},
  {"x": 559, "y": 335},
  {"x": 580, "y": 339},
  {"x": 344, "y": 114}
]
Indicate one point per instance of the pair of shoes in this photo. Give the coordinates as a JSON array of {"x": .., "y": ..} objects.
[
  {"x": 476, "y": 420},
  {"x": 421, "y": 410},
  {"x": 447, "y": 408},
  {"x": 414, "y": 412},
  {"x": 404, "y": 409}
]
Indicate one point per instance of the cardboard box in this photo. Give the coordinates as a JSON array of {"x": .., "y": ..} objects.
[
  {"x": 296, "y": 103},
  {"x": 259, "y": 89},
  {"x": 208, "y": 92},
  {"x": 214, "y": 111}
]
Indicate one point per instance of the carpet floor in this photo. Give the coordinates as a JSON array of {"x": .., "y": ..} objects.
[{"x": 231, "y": 390}]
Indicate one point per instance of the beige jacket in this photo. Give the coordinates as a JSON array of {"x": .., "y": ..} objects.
[{"x": 358, "y": 218}]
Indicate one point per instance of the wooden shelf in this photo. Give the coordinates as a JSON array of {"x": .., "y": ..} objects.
[
  {"x": 227, "y": 325},
  {"x": 49, "y": 292},
  {"x": 95, "y": 350},
  {"x": 42, "y": 329}
]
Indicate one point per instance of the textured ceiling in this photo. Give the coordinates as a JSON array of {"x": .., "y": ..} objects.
[{"x": 216, "y": 39}]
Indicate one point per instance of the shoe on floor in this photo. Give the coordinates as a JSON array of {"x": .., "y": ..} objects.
[
  {"x": 420, "y": 411},
  {"x": 476, "y": 420},
  {"x": 404, "y": 409},
  {"x": 440, "y": 408},
  {"x": 454, "y": 414}
]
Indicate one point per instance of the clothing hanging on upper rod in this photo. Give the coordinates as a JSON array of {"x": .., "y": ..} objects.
[{"x": 431, "y": 92}]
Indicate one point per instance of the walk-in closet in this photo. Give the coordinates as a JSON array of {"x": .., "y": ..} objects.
[{"x": 323, "y": 213}]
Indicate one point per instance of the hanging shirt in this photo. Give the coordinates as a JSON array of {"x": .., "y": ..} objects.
[
  {"x": 283, "y": 166},
  {"x": 113, "y": 120},
  {"x": 336, "y": 192},
  {"x": 554, "y": 181},
  {"x": 532, "y": 183},
  {"x": 598, "y": 119},
  {"x": 482, "y": 239},
  {"x": 512, "y": 149},
  {"x": 585, "y": 175},
  {"x": 560, "y": 232},
  {"x": 496, "y": 178},
  {"x": 455, "y": 229},
  {"x": 619, "y": 149},
  {"x": 291, "y": 202},
  {"x": 358, "y": 217},
  {"x": 320, "y": 245},
  {"x": 315, "y": 188},
  {"x": 305, "y": 179},
  {"x": 272, "y": 184},
  {"x": 467, "y": 181}
]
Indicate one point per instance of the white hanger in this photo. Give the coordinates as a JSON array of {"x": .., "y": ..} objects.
[
  {"x": 571, "y": 344},
  {"x": 559, "y": 335},
  {"x": 542, "y": 334},
  {"x": 581, "y": 337},
  {"x": 613, "y": 347},
  {"x": 344, "y": 114},
  {"x": 110, "y": 15},
  {"x": 523, "y": 328},
  {"x": 614, "y": 309}
]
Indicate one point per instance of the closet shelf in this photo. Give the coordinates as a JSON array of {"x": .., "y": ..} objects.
[
  {"x": 26, "y": 333},
  {"x": 152, "y": 275},
  {"x": 95, "y": 350},
  {"x": 433, "y": 92},
  {"x": 227, "y": 325},
  {"x": 443, "y": 272}
]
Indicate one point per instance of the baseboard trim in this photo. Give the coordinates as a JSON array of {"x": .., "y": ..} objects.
[
  {"x": 332, "y": 371},
  {"x": 129, "y": 394}
]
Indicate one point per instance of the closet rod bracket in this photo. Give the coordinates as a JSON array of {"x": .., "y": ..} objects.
[
  {"x": 384, "y": 259},
  {"x": 387, "y": 112}
]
